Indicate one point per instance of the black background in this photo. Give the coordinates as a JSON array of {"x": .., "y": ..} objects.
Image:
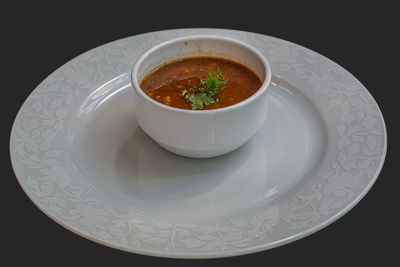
[{"x": 37, "y": 39}]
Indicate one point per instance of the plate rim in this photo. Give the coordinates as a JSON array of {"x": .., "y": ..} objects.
[{"x": 241, "y": 251}]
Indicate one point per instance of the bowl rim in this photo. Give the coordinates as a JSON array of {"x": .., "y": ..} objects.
[{"x": 263, "y": 88}]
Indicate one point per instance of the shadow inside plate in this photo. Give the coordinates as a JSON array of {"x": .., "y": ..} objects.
[{"x": 163, "y": 176}]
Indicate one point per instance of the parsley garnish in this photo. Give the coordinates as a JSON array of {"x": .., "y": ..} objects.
[{"x": 204, "y": 95}]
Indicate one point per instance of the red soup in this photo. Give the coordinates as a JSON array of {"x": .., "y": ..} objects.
[{"x": 201, "y": 83}]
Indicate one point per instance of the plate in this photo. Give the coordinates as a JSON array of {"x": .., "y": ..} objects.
[{"x": 79, "y": 155}]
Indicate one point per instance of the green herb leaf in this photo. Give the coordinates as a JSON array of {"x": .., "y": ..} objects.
[
  {"x": 199, "y": 100},
  {"x": 211, "y": 85}
]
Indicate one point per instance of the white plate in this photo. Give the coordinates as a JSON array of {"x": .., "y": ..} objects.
[{"x": 80, "y": 156}]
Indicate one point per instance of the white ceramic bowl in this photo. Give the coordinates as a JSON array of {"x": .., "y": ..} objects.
[{"x": 201, "y": 133}]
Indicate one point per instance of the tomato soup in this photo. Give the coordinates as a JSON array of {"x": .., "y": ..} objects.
[{"x": 201, "y": 83}]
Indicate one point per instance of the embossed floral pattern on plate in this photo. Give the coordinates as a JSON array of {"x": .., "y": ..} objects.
[{"x": 40, "y": 138}]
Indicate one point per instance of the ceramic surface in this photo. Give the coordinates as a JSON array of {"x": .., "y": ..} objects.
[
  {"x": 79, "y": 154},
  {"x": 201, "y": 133}
]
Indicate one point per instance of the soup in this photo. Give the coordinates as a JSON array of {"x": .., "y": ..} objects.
[{"x": 201, "y": 83}]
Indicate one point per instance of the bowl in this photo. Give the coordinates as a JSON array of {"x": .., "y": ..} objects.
[{"x": 201, "y": 133}]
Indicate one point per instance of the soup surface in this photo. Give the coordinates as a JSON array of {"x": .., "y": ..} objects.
[{"x": 201, "y": 83}]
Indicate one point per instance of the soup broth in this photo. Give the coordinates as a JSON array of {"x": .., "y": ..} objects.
[{"x": 177, "y": 83}]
